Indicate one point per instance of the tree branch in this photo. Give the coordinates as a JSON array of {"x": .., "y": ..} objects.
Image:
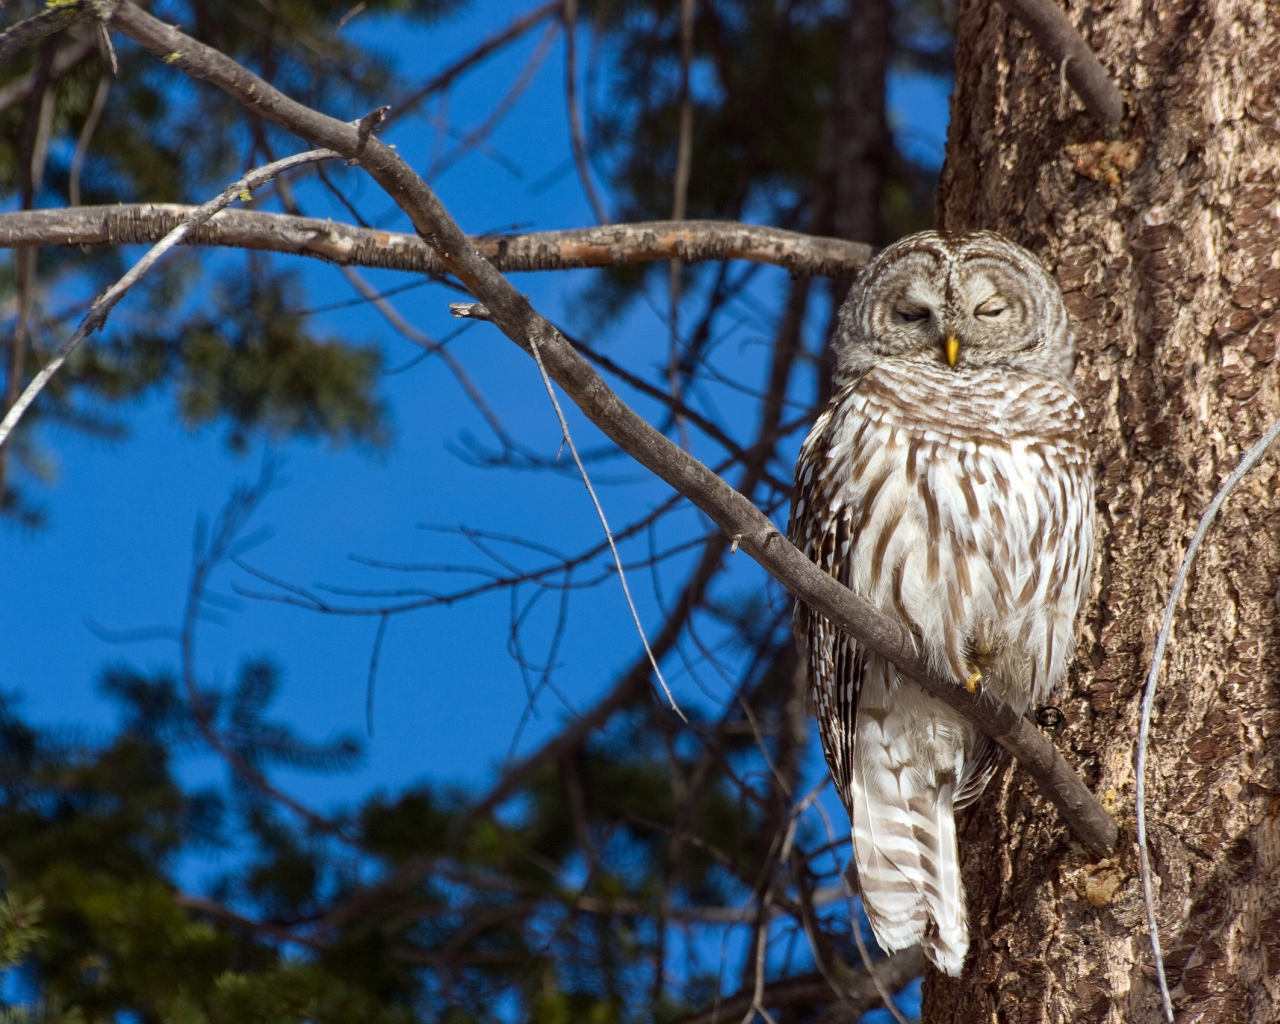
[
  {"x": 104, "y": 303},
  {"x": 733, "y": 512},
  {"x": 569, "y": 15},
  {"x": 693, "y": 241},
  {"x": 1067, "y": 48},
  {"x": 29, "y": 32},
  {"x": 406, "y": 104}
]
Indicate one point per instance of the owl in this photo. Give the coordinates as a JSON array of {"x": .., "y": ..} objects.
[{"x": 948, "y": 482}]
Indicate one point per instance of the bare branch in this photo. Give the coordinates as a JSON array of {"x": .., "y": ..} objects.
[
  {"x": 680, "y": 203},
  {"x": 693, "y": 241},
  {"x": 1066, "y": 47},
  {"x": 477, "y": 135},
  {"x": 608, "y": 533},
  {"x": 429, "y": 347},
  {"x": 28, "y": 33},
  {"x": 86, "y": 137},
  {"x": 105, "y": 302},
  {"x": 219, "y": 546},
  {"x": 445, "y": 78},
  {"x": 569, "y": 13},
  {"x": 632, "y": 683},
  {"x": 733, "y": 512}
]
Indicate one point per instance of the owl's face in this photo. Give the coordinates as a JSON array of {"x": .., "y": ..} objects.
[{"x": 956, "y": 302}]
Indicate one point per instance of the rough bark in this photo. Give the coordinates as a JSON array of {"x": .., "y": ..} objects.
[
  {"x": 859, "y": 151},
  {"x": 862, "y": 146},
  {"x": 1165, "y": 243}
]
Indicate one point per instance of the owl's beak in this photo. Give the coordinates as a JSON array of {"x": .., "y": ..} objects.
[{"x": 952, "y": 349}]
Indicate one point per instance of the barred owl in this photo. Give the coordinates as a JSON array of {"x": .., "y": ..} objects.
[{"x": 948, "y": 483}]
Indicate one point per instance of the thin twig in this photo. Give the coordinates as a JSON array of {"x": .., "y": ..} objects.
[
  {"x": 429, "y": 346},
  {"x": 352, "y": 12},
  {"x": 213, "y": 548},
  {"x": 569, "y": 13},
  {"x": 608, "y": 533},
  {"x": 373, "y": 672},
  {"x": 103, "y": 305},
  {"x": 1251, "y": 458},
  {"x": 86, "y": 137},
  {"x": 486, "y": 128},
  {"x": 439, "y": 82},
  {"x": 107, "y": 47},
  {"x": 679, "y": 205}
]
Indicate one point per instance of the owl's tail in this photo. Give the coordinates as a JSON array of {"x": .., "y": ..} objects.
[{"x": 904, "y": 846}]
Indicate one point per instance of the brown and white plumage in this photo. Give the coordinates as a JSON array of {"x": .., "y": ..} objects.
[{"x": 948, "y": 482}]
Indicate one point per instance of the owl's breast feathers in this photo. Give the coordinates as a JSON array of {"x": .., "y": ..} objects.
[{"x": 960, "y": 503}]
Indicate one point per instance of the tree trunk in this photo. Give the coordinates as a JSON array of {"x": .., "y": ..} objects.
[
  {"x": 862, "y": 146},
  {"x": 1165, "y": 244},
  {"x": 858, "y": 153}
]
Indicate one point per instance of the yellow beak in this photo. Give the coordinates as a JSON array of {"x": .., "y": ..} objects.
[{"x": 953, "y": 349}]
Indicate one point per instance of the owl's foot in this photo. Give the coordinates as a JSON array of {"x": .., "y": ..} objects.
[{"x": 980, "y": 658}]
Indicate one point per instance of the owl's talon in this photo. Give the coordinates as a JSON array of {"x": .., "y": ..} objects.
[{"x": 973, "y": 682}]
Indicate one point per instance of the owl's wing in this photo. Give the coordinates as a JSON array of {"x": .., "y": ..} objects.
[
  {"x": 979, "y": 767},
  {"x": 822, "y": 530}
]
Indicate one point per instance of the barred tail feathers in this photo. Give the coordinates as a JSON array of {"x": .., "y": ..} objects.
[
  {"x": 904, "y": 845},
  {"x": 885, "y": 849},
  {"x": 946, "y": 940}
]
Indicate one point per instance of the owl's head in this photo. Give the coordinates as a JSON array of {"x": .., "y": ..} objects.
[{"x": 959, "y": 302}]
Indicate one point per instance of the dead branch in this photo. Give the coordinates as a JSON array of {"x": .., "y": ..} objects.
[
  {"x": 628, "y": 687},
  {"x": 608, "y": 533},
  {"x": 105, "y": 302},
  {"x": 29, "y": 32},
  {"x": 86, "y": 137},
  {"x": 218, "y": 549},
  {"x": 1067, "y": 48},
  {"x": 577, "y": 139},
  {"x": 693, "y": 241},
  {"x": 733, "y": 512}
]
